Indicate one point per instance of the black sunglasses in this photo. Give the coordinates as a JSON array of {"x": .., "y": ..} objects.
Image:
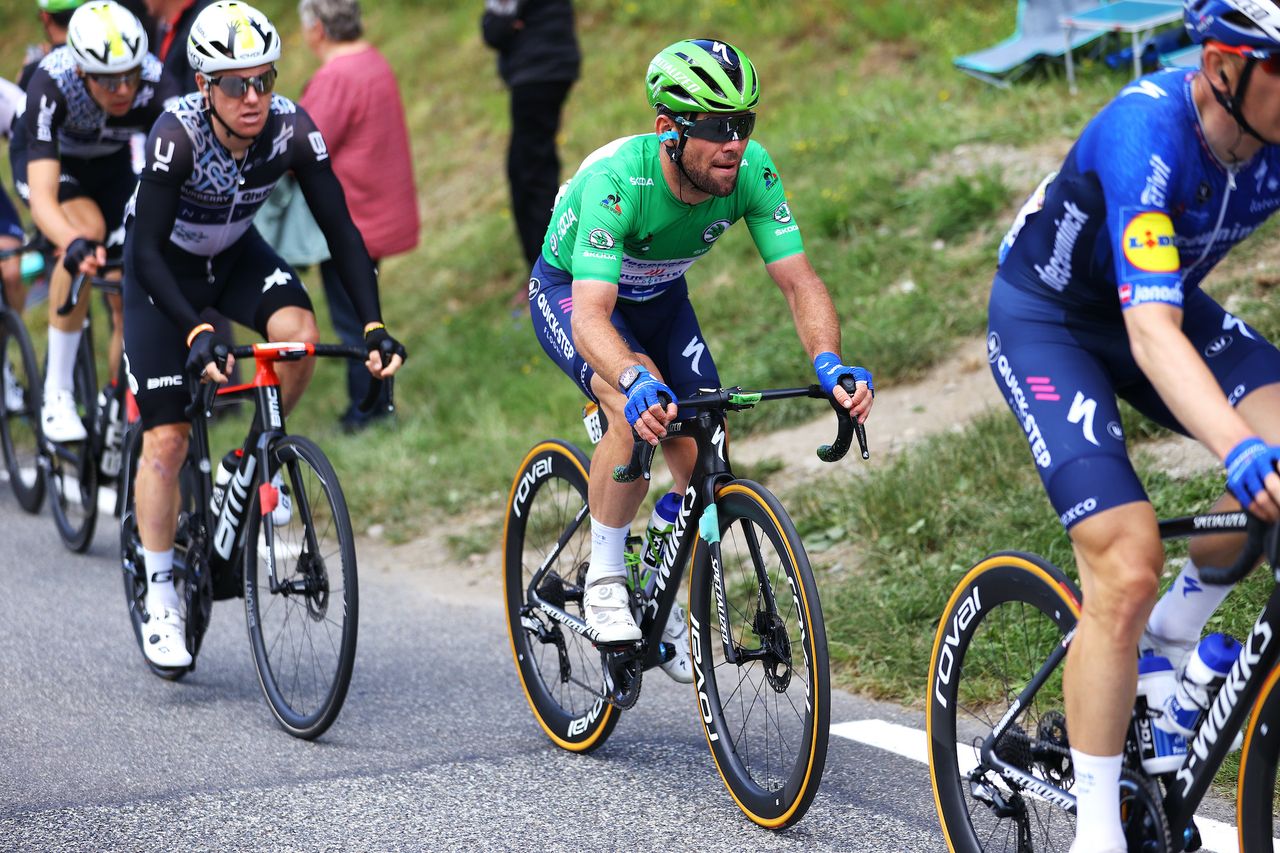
[
  {"x": 238, "y": 87},
  {"x": 720, "y": 128},
  {"x": 113, "y": 82}
]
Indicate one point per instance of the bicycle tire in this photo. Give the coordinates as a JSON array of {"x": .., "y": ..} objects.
[
  {"x": 1256, "y": 789},
  {"x": 20, "y": 428},
  {"x": 312, "y": 551},
  {"x": 73, "y": 489},
  {"x": 770, "y": 748},
  {"x": 1033, "y": 603},
  {"x": 561, "y": 678},
  {"x": 131, "y": 563}
]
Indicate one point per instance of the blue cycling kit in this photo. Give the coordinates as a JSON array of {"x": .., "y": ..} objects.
[{"x": 1139, "y": 213}]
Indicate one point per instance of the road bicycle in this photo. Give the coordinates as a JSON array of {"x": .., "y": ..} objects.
[
  {"x": 999, "y": 756},
  {"x": 756, "y": 633},
  {"x": 295, "y": 568},
  {"x": 20, "y": 402},
  {"x": 76, "y": 470}
]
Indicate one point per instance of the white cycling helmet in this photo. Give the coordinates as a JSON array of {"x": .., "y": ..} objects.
[
  {"x": 230, "y": 35},
  {"x": 106, "y": 38}
]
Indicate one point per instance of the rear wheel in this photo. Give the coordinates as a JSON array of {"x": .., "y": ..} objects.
[
  {"x": 302, "y": 628},
  {"x": 766, "y": 715},
  {"x": 559, "y": 669},
  {"x": 1256, "y": 797},
  {"x": 73, "y": 469},
  {"x": 20, "y": 404}
]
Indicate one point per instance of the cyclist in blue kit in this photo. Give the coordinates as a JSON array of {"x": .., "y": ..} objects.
[{"x": 1097, "y": 297}]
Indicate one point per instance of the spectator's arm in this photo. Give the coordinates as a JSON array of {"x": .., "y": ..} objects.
[{"x": 500, "y": 23}]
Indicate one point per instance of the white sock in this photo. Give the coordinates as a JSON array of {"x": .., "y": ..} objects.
[
  {"x": 1185, "y": 608},
  {"x": 1097, "y": 791},
  {"x": 607, "y": 546},
  {"x": 161, "y": 594},
  {"x": 62, "y": 359}
]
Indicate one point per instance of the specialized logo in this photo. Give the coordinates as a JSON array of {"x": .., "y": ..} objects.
[
  {"x": 694, "y": 352},
  {"x": 993, "y": 347},
  {"x": 1082, "y": 410},
  {"x": 1154, "y": 194},
  {"x": 1145, "y": 87},
  {"x": 612, "y": 202},
  {"x": 600, "y": 239},
  {"x": 276, "y": 279},
  {"x": 1226, "y": 520},
  {"x": 1217, "y": 346},
  {"x": 1057, "y": 273},
  {"x": 714, "y": 230},
  {"x": 770, "y": 177},
  {"x": 1148, "y": 243},
  {"x": 782, "y": 213}
]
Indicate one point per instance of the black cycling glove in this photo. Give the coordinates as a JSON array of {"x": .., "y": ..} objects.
[
  {"x": 206, "y": 346},
  {"x": 79, "y": 249},
  {"x": 379, "y": 340}
]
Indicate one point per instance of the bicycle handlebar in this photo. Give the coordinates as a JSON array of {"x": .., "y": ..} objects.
[
  {"x": 735, "y": 399},
  {"x": 1261, "y": 538},
  {"x": 205, "y": 392},
  {"x": 109, "y": 285}
]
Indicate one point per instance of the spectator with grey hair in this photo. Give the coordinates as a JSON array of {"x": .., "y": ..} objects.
[
  {"x": 538, "y": 59},
  {"x": 355, "y": 103}
]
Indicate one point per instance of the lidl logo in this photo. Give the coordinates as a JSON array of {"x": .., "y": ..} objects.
[{"x": 1148, "y": 243}]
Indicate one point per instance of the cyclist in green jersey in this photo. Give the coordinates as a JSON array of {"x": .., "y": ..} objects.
[{"x": 610, "y": 303}]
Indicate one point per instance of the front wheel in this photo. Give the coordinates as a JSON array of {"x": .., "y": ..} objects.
[
  {"x": 766, "y": 713},
  {"x": 21, "y": 401},
  {"x": 73, "y": 467},
  {"x": 547, "y": 525},
  {"x": 1256, "y": 795},
  {"x": 302, "y": 618}
]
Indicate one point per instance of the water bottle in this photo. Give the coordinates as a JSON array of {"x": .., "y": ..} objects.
[
  {"x": 112, "y": 434},
  {"x": 1162, "y": 750},
  {"x": 661, "y": 522},
  {"x": 1207, "y": 667},
  {"x": 226, "y": 470}
]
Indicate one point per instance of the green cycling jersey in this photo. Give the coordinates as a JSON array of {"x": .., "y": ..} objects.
[{"x": 617, "y": 220}]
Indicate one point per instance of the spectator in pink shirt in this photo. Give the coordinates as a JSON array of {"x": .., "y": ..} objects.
[{"x": 354, "y": 102}]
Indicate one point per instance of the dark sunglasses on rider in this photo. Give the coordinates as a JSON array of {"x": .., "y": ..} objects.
[
  {"x": 238, "y": 87},
  {"x": 1268, "y": 60},
  {"x": 718, "y": 128},
  {"x": 114, "y": 82}
]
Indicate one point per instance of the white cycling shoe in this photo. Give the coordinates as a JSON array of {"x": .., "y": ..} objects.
[
  {"x": 14, "y": 401},
  {"x": 608, "y": 610},
  {"x": 164, "y": 639},
  {"x": 283, "y": 513},
  {"x": 59, "y": 419},
  {"x": 676, "y": 632}
]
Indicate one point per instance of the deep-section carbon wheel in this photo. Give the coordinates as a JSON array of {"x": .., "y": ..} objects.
[
  {"x": 302, "y": 625},
  {"x": 766, "y": 715},
  {"x": 1256, "y": 797},
  {"x": 560, "y": 670},
  {"x": 1002, "y": 623},
  {"x": 73, "y": 466},
  {"x": 20, "y": 405},
  {"x": 135, "y": 578}
]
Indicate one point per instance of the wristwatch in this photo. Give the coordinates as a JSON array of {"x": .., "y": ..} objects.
[{"x": 629, "y": 376}]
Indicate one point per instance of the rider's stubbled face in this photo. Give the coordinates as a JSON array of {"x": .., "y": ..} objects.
[{"x": 713, "y": 166}]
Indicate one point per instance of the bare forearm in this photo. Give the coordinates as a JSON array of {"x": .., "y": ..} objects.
[
  {"x": 601, "y": 346},
  {"x": 42, "y": 178}
]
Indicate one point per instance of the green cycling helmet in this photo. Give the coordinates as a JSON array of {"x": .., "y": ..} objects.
[
  {"x": 702, "y": 76},
  {"x": 53, "y": 7}
]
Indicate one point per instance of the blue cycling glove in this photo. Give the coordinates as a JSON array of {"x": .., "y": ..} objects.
[
  {"x": 1248, "y": 464},
  {"x": 829, "y": 369},
  {"x": 643, "y": 393}
]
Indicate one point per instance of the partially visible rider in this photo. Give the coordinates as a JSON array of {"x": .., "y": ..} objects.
[
  {"x": 55, "y": 16},
  {"x": 72, "y": 165},
  {"x": 610, "y": 303},
  {"x": 211, "y": 161},
  {"x": 1097, "y": 297},
  {"x": 11, "y": 232}
]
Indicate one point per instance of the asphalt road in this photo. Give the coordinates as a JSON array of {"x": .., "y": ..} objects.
[{"x": 435, "y": 747}]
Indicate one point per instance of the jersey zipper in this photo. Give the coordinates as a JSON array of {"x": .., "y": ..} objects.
[{"x": 1222, "y": 214}]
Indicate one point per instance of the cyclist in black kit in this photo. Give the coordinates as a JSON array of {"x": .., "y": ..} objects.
[
  {"x": 211, "y": 161},
  {"x": 72, "y": 165}
]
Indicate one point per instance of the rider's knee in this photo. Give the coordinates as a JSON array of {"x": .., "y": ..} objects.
[
  {"x": 295, "y": 325},
  {"x": 164, "y": 448}
]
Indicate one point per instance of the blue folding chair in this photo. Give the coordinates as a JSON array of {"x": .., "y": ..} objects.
[{"x": 1038, "y": 34}]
